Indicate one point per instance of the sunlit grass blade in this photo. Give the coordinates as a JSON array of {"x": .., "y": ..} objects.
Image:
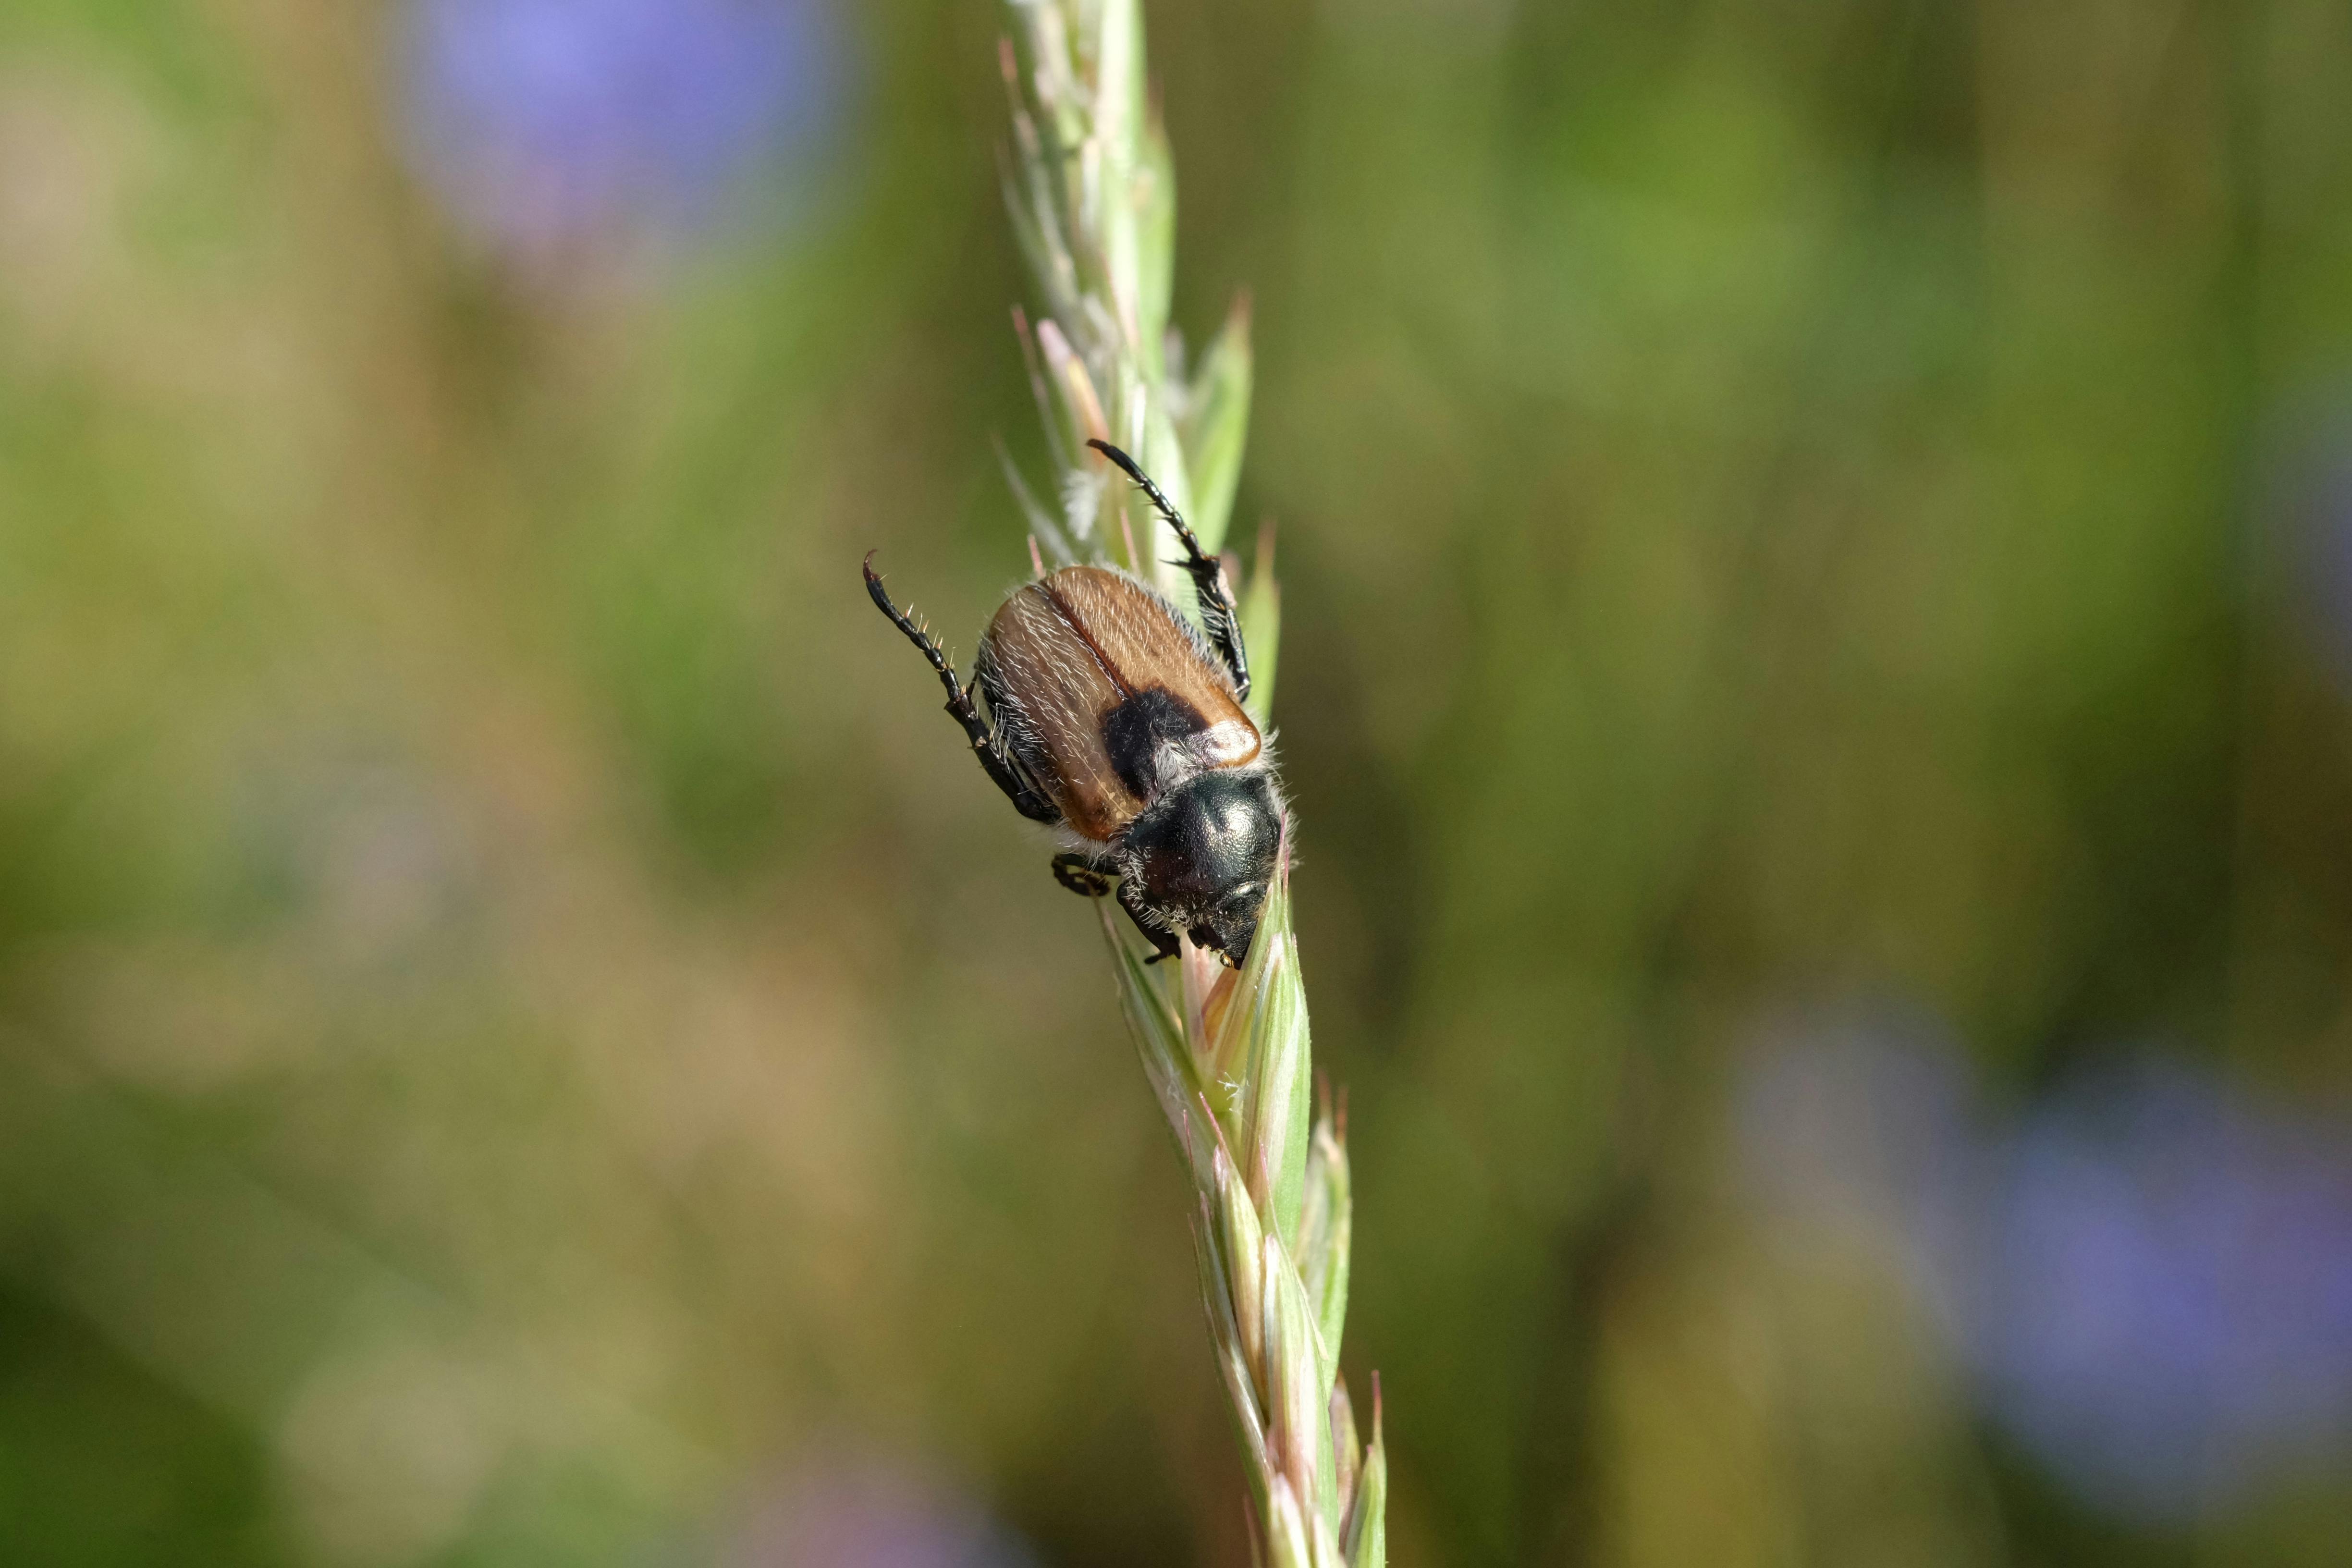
[
  {"x": 1366, "y": 1538},
  {"x": 1322, "y": 1237},
  {"x": 1214, "y": 428}
]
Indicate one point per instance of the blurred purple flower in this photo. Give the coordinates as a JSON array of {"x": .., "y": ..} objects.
[
  {"x": 2164, "y": 1310},
  {"x": 1861, "y": 1122},
  {"x": 546, "y": 122},
  {"x": 2149, "y": 1275},
  {"x": 867, "y": 1514}
]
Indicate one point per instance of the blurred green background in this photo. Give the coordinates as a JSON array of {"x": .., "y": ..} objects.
[{"x": 1812, "y": 534}]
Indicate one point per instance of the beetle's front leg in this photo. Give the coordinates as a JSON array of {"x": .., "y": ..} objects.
[
  {"x": 1081, "y": 876},
  {"x": 1130, "y": 898}
]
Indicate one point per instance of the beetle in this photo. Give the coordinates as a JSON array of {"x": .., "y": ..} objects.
[{"x": 1112, "y": 718}]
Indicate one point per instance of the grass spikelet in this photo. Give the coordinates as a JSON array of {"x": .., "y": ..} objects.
[{"x": 1089, "y": 184}]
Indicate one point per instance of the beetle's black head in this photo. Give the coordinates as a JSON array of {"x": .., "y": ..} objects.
[{"x": 1206, "y": 853}]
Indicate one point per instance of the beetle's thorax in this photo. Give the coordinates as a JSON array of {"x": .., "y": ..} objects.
[{"x": 1204, "y": 853}]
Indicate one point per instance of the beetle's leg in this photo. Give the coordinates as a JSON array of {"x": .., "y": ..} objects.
[
  {"x": 1218, "y": 616},
  {"x": 986, "y": 743},
  {"x": 1079, "y": 874},
  {"x": 1130, "y": 898}
]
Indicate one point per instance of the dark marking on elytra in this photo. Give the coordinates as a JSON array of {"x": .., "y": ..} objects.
[{"x": 1134, "y": 732}]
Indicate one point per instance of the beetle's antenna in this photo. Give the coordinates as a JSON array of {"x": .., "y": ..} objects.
[
  {"x": 1219, "y": 618},
  {"x": 913, "y": 629},
  {"x": 1151, "y": 492},
  {"x": 996, "y": 759}
]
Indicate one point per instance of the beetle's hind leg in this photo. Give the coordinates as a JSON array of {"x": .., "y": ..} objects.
[
  {"x": 1218, "y": 616},
  {"x": 988, "y": 745}
]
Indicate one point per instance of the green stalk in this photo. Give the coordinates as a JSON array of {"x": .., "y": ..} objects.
[{"x": 1091, "y": 190}]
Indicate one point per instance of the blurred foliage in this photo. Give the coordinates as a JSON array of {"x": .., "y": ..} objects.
[{"x": 517, "y": 1024}]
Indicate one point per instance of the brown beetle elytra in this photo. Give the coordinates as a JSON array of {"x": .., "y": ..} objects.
[{"x": 1111, "y": 718}]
